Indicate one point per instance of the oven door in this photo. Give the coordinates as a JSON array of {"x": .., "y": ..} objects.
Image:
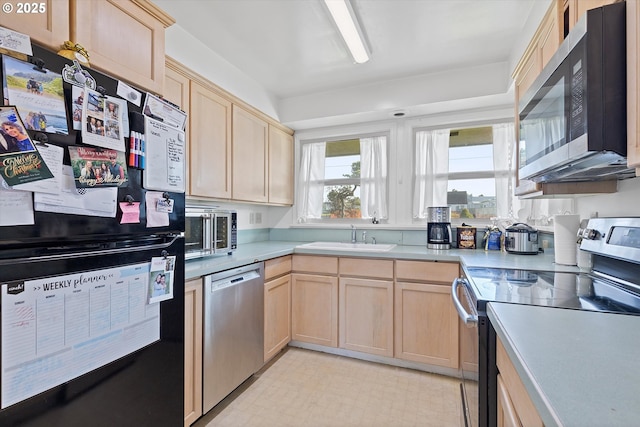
[
  {"x": 198, "y": 234},
  {"x": 469, "y": 357}
]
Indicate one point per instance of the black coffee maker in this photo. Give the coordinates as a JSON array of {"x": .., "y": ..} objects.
[{"x": 439, "y": 227}]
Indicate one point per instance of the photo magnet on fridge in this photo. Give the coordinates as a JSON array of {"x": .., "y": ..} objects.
[{"x": 20, "y": 161}]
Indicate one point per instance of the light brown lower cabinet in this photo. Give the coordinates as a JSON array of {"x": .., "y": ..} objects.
[
  {"x": 277, "y": 315},
  {"x": 426, "y": 324},
  {"x": 426, "y": 321},
  {"x": 192, "y": 350},
  {"x": 507, "y": 416},
  {"x": 366, "y": 315},
  {"x": 515, "y": 407},
  {"x": 314, "y": 309}
]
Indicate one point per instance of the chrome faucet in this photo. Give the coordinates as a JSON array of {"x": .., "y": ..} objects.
[{"x": 353, "y": 234}]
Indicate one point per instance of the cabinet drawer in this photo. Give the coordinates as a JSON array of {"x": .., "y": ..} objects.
[
  {"x": 366, "y": 267},
  {"x": 277, "y": 267},
  {"x": 315, "y": 264},
  {"x": 427, "y": 271}
]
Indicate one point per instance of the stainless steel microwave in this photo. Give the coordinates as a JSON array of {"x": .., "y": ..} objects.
[
  {"x": 210, "y": 231},
  {"x": 573, "y": 119}
]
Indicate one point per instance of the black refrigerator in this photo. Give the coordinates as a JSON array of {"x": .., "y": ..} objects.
[{"x": 87, "y": 347}]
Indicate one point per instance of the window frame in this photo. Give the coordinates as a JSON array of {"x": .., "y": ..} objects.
[
  {"x": 481, "y": 174},
  {"x": 349, "y": 181}
]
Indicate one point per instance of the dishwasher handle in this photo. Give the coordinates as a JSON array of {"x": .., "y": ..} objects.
[
  {"x": 233, "y": 280},
  {"x": 468, "y": 319}
]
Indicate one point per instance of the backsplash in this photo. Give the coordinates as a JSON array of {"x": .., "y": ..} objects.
[{"x": 399, "y": 237}]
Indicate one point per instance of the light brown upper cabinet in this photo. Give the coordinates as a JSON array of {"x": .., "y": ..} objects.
[
  {"x": 49, "y": 28},
  {"x": 280, "y": 166},
  {"x": 210, "y": 143},
  {"x": 124, "y": 38},
  {"x": 250, "y": 153},
  {"x": 235, "y": 152}
]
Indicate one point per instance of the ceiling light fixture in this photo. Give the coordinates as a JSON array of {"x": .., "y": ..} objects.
[{"x": 342, "y": 13}]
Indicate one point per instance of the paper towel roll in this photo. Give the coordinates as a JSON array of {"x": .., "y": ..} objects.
[{"x": 565, "y": 228}]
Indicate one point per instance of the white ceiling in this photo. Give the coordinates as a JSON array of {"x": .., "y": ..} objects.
[{"x": 292, "y": 49}]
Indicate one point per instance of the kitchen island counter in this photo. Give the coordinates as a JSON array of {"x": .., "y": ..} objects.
[
  {"x": 584, "y": 373},
  {"x": 260, "y": 251}
]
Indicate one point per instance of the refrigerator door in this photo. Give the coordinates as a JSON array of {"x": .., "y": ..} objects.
[
  {"x": 82, "y": 345},
  {"x": 55, "y": 227}
]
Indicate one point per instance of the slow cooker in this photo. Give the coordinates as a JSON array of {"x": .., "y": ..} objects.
[{"x": 521, "y": 239}]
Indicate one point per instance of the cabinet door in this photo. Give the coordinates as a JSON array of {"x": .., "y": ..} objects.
[
  {"x": 280, "y": 167},
  {"x": 49, "y": 27},
  {"x": 523, "y": 406},
  {"x": 176, "y": 90},
  {"x": 192, "y": 351},
  {"x": 426, "y": 324},
  {"x": 250, "y": 151},
  {"x": 210, "y": 143},
  {"x": 507, "y": 416},
  {"x": 277, "y": 315},
  {"x": 366, "y": 315},
  {"x": 314, "y": 309},
  {"x": 138, "y": 57},
  {"x": 550, "y": 37},
  {"x": 633, "y": 85}
]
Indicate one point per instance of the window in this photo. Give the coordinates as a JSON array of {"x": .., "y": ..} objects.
[
  {"x": 471, "y": 170},
  {"x": 343, "y": 179},
  {"x": 341, "y": 195},
  {"x": 471, "y": 186}
]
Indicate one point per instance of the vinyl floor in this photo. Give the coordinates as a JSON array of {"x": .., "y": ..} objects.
[{"x": 308, "y": 388}]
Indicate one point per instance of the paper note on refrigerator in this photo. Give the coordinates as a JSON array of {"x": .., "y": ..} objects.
[
  {"x": 164, "y": 151},
  {"x": 16, "y": 207}
]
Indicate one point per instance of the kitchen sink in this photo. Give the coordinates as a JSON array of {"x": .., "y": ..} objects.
[{"x": 345, "y": 246}]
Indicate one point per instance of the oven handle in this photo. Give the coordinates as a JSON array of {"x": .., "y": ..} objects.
[
  {"x": 468, "y": 319},
  {"x": 99, "y": 252}
]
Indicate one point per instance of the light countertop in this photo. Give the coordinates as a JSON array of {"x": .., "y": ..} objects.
[
  {"x": 580, "y": 368},
  {"x": 261, "y": 251}
]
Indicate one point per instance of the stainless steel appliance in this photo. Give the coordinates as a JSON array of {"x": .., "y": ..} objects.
[
  {"x": 573, "y": 118},
  {"x": 81, "y": 343},
  {"x": 521, "y": 239},
  {"x": 613, "y": 285},
  {"x": 209, "y": 231},
  {"x": 233, "y": 330},
  {"x": 438, "y": 227}
]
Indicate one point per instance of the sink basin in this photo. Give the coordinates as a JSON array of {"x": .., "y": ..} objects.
[{"x": 342, "y": 246}]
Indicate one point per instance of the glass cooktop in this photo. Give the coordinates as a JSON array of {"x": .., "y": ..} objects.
[{"x": 547, "y": 288}]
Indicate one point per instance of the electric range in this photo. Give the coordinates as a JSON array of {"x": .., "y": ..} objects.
[{"x": 613, "y": 285}]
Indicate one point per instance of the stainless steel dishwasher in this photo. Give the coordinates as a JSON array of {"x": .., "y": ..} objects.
[{"x": 233, "y": 330}]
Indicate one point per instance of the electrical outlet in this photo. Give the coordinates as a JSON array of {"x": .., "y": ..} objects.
[
  {"x": 258, "y": 218},
  {"x": 252, "y": 218}
]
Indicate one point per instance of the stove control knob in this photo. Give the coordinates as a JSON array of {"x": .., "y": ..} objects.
[{"x": 590, "y": 234}]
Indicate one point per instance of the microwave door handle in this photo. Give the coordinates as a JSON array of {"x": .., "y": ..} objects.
[
  {"x": 468, "y": 319},
  {"x": 207, "y": 234}
]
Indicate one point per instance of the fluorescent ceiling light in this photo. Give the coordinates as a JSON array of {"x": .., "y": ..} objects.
[{"x": 342, "y": 13}]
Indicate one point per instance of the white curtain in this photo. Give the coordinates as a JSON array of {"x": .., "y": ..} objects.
[
  {"x": 373, "y": 177},
  {"x": 310, "y": 192},
  {"x": 431, "y": 167},
  {"x": 504, "y": 164}
]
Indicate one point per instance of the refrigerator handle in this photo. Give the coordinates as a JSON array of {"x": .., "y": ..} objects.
[{"x": 99, "y": 252}]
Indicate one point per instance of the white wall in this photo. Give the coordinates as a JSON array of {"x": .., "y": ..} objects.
[
  {"x": 400, "y": 154},
  {"x": 626, "y": 202},
  {"x": 193, "y": 54}
]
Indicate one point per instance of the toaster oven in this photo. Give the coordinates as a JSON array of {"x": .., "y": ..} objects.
[{"x": 210, "y": 231}]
